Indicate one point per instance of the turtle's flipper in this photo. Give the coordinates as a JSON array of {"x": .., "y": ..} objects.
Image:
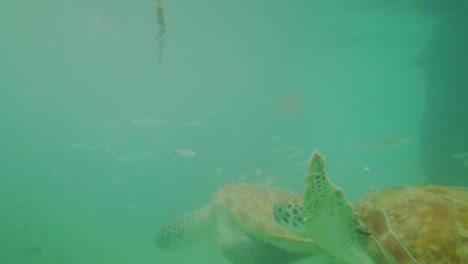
[
  {"x": 241, "y": 248},
  {"x": 330, "y": 218},
  {"x": 185, "y": 229},
  {"x": 244, "y": 249}
]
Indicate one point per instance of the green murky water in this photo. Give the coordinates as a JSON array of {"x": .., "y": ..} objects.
[{"x": 100, "y": 145}]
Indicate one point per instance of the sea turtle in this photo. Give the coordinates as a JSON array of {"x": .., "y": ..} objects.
[
  {"x": 241, "y": 219},
  {"x": 410, "y": 224}
]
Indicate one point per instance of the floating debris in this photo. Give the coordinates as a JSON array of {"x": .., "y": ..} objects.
[
  {"x": 161, "y": 30},
  {"x": 186, "y": 153},
  {"x": 291, "y": 104}
]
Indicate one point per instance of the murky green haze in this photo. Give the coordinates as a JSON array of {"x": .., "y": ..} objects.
[{"x": 100, "y": 146}]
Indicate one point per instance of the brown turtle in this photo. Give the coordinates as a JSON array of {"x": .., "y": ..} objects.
[
  {"x": 241, "y": 217},
  {"x": 411, "y": 224}
]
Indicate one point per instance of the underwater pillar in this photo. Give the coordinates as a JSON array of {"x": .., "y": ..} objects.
[{"x": 444, "y": 126}]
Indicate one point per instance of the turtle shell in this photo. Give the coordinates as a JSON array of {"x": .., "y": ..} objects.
[
  {"x": 419, "y": 224},
  {"x": 252, "y": 205}
]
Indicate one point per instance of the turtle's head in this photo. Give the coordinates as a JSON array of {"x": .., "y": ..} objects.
[
  {"x": 185, "y": 229},
  {"x": 171, "y": 236},
  {"x": 289, "y": 216}
]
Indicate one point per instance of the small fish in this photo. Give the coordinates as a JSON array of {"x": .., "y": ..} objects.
[
  {"x": 31, "y": 251},
  {"x": 460, "y": 155},
  {"x": 194, "y": 123},
  {"x": 276, "y": 150},
  {"x": 258, "y": 172},
  {"x": 136, "y": 157},
  {"x": 270, "y": 180},
  {"x": 219, "y": 171},
  {"x": 44, "y": 233},
  {"x": 4, "y": 232},
  {"x": 382, "y": 142},
  {"x": 295, "y": 154},
  {"x": 288, "y": 149},
  {"x": 275, "y": 138},
  {"x": 242, "y": 177},
  {"x": 96, "y": 144},
  {"x": 133, "y": 206},
  {"x": 148, "y": 122},
  {"x": 363, "y": 231},
  {"x": 186, "y": 153},
  {"x": 161, "y": 31},
  {"x": 463, "y": 157}
]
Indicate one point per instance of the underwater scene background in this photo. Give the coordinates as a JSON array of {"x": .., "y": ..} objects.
[{"x": 110, "y": 127}]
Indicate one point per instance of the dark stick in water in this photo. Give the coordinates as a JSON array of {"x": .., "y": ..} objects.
[{"x": 161, "y": 32}]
